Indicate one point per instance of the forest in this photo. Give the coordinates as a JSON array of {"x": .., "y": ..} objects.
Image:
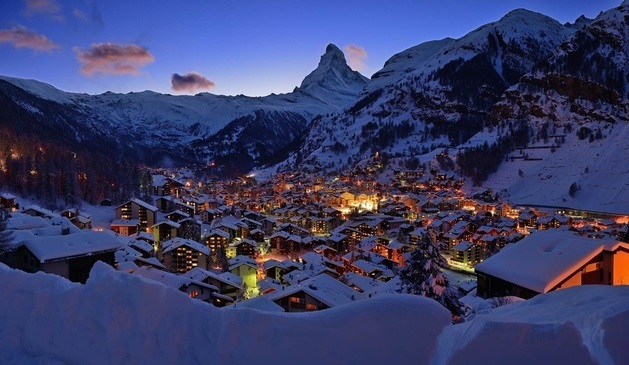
[{"x": 60, "y": 177}]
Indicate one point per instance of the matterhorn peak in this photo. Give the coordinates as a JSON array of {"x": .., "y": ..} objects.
[{"x": 333, "y": 74}]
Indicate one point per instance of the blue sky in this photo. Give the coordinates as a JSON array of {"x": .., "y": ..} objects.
[{"x": 229, "y": 47}]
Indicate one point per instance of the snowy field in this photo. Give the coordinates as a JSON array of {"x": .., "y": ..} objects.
[{"x": 116, "y": 318}]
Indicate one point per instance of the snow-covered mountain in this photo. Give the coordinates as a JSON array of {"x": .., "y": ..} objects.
[
  {"x": 576, "y": 106},
  {"x": 438, "y": 93},
  {"x": 193, "y": 128}
]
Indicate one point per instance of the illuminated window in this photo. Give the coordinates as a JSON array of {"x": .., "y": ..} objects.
[
  {"x": 311, "y": 307},
  {"x": 194, "y": 293}
]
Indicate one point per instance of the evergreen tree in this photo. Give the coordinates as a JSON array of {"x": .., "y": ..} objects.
[
  {"x": 6, "y": 236},
  {"x": 422, "y": 275}
]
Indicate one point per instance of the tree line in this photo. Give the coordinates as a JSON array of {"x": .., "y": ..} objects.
[{"x": 58, "y": 176}]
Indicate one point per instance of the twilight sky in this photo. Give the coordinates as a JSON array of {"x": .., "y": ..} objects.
[{"x": 229, "y": 47}]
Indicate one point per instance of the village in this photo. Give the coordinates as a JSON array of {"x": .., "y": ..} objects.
[{"x": 305, "y": 242}]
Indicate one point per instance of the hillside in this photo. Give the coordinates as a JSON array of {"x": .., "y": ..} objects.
[
  {"x": 160, "y": 128},
  {"x": 576, "y": 105},
  {"x": 436, "y": 94}
]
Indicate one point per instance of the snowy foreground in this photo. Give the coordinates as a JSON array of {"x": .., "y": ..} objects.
[{"x": 116, "y": 318}]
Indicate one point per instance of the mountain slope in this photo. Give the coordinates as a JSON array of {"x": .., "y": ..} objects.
[
  {"x": 190, "y": 128},
  {"x": 576, "y": 105},
  {"x": 435, "y": 94}
]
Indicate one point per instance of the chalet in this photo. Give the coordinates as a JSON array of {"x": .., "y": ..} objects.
[
  {"x": 326, "y": 251},
  {"x": 278, "y": 242},
  {"x": 467, "y": 253},
  {"x": 217, "y": 240},
  {"x": 37, "y": 211},
  {"x": 209, "y": 215},
  {"x": 367, "y": 268},
  {"x": 339, "y": 242},
  {"x": 275, "y": 269},
  {"x": 166, "y": 203},
  {"x": 193, "y": 288},
  {"x": 197, "y": 204},
  {"x": 177, "y": 215},
  {"x": 163, "y": 185},
  {"x": 81, "y": 220},
  {"x": 360, "y": 283},
  {"x": 137, "y": 209},
  {"x": 69, "y": 255},
  {"x": 257, "y": 235},
  {"x": 165, "y": 230},
  {"x": 317, "y": 293},
  {"x": 7, "y": 201},
  {"x": 125, "y": 227},
  {"x": 551, "y": 260},
  {"x": 181, "y": 255},
  {"x": 314, "y": 258},
  {"x": 396, "y": 251},
  {"x": 247, "y": 269},
  {"x": 144, "y": 248},
  {"x": 245, "y": 247},
  {"x": 229, "y": 285}
]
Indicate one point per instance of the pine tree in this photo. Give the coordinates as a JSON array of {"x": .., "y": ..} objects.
[
  {"x": 6, "y": 236},
  {"x": 422, "y": 275}
]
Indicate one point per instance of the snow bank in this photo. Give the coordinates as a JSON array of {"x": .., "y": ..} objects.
[
  {"x": 578, "y": 325},
  {"x": 122, "y": 319},
  {"x": 119, "y": 318}
]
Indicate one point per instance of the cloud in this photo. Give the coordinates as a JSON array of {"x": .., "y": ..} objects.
[
  {"x": 356, "y": 56},
  {"x": 190, "y": 82},
  {"x": 21, "y": 37},
  {"x": 79, "y": 14},
  {"x": 46, "y": 7},
  {"x": 109, "y": 58}
]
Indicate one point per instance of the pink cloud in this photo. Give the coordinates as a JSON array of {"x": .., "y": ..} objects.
[
  {"x": 356, "y": 56},
  {"x": 46, "y": 7},
  {"x": 190, "y": 82},
  {"x": 21, "y": 37},
  {"x": 109, "y": 58}
]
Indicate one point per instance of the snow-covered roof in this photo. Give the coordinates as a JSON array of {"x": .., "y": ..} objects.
[
  {"x": 201, "y": 274},
  {"x": 177, "y": 242},
  {"x": 366, "y": 266},
  {"x": 52, "y": 248},
  {"x": 140, "y": 203},
  {"x": 40, "y": 210},
  {"x": 170, "y": 279},
  {"x": 362, "y": 282},
  {"x": 463, "y": 245},
  {"x": 125, "y": 222},
  {"x": 261, "y": 303},
  {"x": 324, "y": 288},
  {"x": 543, "y": 259},
  {"x": 167, "y": 222},
  {"x": 21, "y": 221}
]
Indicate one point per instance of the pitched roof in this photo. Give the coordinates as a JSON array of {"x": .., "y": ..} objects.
[
  {"x": 543, "y": 259},
  {"x": 324, "y": 288},
  {"x": 53, "y": 248},
  {"x": 177, "y": 242}
]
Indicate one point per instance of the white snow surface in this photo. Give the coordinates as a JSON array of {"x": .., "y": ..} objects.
[
  {"x": 119, "y": 318},
  {"x": 578, "y": 325},
  {"x": 598, "y": 167}
]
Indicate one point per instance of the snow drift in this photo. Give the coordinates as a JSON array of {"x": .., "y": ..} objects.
[
  {"x": 116, "y": 318},
  {"x": 119, "y": 318}
]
